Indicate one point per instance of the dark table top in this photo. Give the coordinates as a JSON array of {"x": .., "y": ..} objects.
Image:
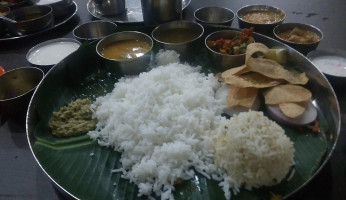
[{"x": 22, "y": 178}]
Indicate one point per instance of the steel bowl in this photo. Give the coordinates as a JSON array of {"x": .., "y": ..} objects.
[
  {"x": 224, "y": 61},
  {"x": 332, "y": 63},
  {"x": 14, "y": 4},
  {"x": 131, "y": 66},
  {"x": 94, "y": 30},
  {"x": 59, "y": 6},
  {"x": 110, "y": 7},
  {"x": 183, "y": 47},
  {"x": 26, "y": 23},
  {"x": 44, "y": 55},
  {"x": 303, "y": 48},
  {"x": 4, "y": 10},
  {"x": 17, "y": 87},
  {"x": 263, "y": 28},
  {"x": 214, "y": 15}
]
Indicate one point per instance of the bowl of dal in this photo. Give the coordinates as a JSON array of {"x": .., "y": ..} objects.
[
  {"x": 127, "y": 52},
  {"x": 180, "y": 36},
  {"x": 263, "y": 18},
  {"x": 302, "y": 37}
]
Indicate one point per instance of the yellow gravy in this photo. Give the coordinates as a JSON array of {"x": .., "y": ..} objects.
[{"x": 125, "y": 49}]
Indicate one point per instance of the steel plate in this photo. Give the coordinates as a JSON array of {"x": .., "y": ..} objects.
[{"x": 81, "y": 169}]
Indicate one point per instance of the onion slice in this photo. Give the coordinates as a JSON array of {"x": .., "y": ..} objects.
[{"x": 307, "y": 117}]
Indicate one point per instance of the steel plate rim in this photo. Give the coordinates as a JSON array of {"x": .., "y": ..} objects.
[{"x": 68, "y": 18}]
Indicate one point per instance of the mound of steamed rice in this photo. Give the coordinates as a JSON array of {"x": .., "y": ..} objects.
[
  {"x": 167, "y": 125},
  {"x": 253, "y": 149},
  {"x": 165, "y": 57},
  {"x": 158, "y": 121}
]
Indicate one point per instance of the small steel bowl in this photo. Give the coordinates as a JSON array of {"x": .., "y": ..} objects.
[
  {"x": 172, "y": 36},
  {"x": 263, "y": 28},
  {"x": 224, "y": 61},
  {"x": 214, "y": 15},
  {"x": 332, "y": 63},
  {"x": 26, "y": 23},
  {"x": 94, "y": 30},
  {"x": 15, "y": 4},
  {"x": 17, "y": 87},
  {"x": 59, "y": 6},
  {"x": 132, "y": 66},
  {"x": 47, "y": 54},
  {"x": 4, "y": 10},
  {"x": 303, "y": 48}
]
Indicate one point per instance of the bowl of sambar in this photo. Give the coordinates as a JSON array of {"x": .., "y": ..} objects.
[{"x": 127, "y": 52}]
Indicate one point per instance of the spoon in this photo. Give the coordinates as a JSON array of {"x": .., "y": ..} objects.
[{"x": 8, "y": 19}]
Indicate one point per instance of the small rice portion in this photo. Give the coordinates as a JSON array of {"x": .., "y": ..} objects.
[
  {"x": 253, "y": 150},
  {"x": 165, "y": 57},
  {"x": 158, "y": 121}
]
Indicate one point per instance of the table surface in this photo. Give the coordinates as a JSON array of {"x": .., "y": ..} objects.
[{"x": 22, "y": 178}]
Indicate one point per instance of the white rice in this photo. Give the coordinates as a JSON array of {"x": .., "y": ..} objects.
[
  {"x": 165, "y": 57},
  {"x": 158, "y": 121},
  {"x": 254, "y": 150},
  {"x": 167, "y": 124}
]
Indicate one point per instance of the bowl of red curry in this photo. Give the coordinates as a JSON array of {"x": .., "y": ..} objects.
[{"x": 226, "y": 48}]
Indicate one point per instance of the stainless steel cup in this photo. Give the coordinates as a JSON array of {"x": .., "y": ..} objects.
[
  {"x": 156, "y": 12},
  {"x": 110, "y": 7}
]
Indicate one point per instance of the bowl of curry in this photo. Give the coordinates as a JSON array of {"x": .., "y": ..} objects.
[
  {"x": 227, "y": 48},
  {"x": 126, "y": 52},
  {"x": 262, "y": 17},
  {"x": 181, "y": 36},
  {"x": 302, "y": 37}
]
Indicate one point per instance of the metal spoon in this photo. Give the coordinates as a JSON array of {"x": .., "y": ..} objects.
[{"x": 8, "y": 19}]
